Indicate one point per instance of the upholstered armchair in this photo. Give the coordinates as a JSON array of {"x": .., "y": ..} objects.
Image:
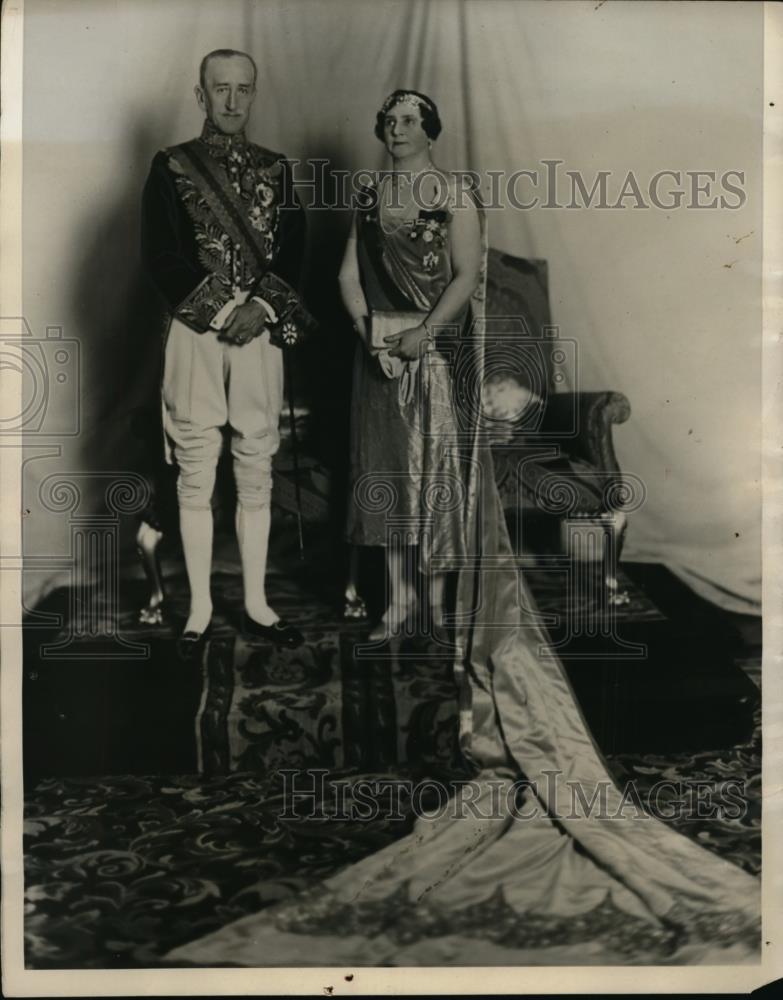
[{"x": 554, "y": 456}]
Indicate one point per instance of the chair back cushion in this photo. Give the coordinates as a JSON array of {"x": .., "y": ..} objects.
[{"x": 519, "y": 372}]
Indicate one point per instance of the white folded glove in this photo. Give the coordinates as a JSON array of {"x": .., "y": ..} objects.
[
  {"x": 239, "y": 299},
  {"x": 405, "y": 371}
]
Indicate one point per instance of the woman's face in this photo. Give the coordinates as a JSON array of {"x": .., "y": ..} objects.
[{"x": 403, "y": 132}]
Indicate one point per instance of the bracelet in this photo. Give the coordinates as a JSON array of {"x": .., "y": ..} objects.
[{"x": 430, "y": 336}]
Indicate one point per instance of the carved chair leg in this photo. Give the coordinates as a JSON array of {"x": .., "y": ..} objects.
[
  {"x": 355, "y": 607},
  {"x": 147, "y": 542},
  {"x": 615, "y": 524},
  {"x": 598, "y": 539}
]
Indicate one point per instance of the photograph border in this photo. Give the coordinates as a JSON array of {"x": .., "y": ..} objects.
[{"x": 18, "y": 981}]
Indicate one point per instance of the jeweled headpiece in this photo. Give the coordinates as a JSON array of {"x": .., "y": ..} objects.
[{"x": 405, "y": 97}]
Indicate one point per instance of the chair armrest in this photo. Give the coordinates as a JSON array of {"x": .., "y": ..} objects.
[{"x": 581, "y": 423}]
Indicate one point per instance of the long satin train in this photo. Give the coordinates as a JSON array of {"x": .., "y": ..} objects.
[{"x": 574, "y": 873}]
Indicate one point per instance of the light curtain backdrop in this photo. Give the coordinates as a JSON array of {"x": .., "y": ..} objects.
[{"x": 665, "y": 306}]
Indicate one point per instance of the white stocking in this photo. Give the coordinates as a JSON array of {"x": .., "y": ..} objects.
[
  {"x": 402, "y": 595},
  {"x": 437, "y": 588},
  {"x": 196, "y": 530},
  {"x": 253, "y": 537}
]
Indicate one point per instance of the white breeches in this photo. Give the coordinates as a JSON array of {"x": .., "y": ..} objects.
[{"x": 208, "y": 384}]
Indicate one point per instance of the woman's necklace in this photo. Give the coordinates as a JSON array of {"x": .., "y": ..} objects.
[{"x": 402, "y": 212}]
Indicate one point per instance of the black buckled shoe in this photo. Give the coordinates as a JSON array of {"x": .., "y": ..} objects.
[
  {"x": 190, "y": 645},
  {"x": 282, "y": 633}
]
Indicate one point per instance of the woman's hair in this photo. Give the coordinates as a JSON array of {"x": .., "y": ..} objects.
[{"x": 430, "y": 119}]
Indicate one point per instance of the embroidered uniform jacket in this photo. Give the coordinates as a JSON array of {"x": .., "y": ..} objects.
[{"x": 219, "y": 215}]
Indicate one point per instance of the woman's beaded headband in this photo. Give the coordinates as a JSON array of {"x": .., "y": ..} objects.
[{"x": 404, "y": 98}]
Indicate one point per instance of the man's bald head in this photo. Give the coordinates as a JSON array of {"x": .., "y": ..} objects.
[{"x": 224, "y": 54}]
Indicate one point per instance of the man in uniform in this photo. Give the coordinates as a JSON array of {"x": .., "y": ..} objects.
[{"x": 222, "y": 240}]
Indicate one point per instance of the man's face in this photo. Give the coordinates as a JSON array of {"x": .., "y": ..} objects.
[{"x": 228, "y": 92}]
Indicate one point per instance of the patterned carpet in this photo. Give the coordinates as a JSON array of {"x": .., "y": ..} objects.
[
  {"x": 119, "y": 870},
  {"x": 122, "y": 868}
]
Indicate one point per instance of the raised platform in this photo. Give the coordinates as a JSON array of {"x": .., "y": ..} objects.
[{"x": 121, "y": 703}]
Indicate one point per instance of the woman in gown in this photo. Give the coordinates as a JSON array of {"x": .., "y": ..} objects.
[
  {"x": 409, "y": 253},
  {"x": 540, "y": 859}
]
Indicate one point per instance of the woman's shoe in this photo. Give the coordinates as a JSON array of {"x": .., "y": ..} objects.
[
  {"x": 191, "y": 644},
  {"x": 282, "y": 633},
  {"x": 152, "y": 614},
  {"x": 393, "y": 621},
  {"x": 355, "y": 609}
]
